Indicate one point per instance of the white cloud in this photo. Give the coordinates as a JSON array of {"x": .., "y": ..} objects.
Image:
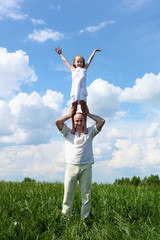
[
  {"x": 53, "y": 165},
  {"x": 53, "y": 100},
  {"x": 29, "y": 118},
  {"x": 103, "y": 98},
  {"x": 128, "y": 154},
  {"x": 55, "y": 7},
  {"x": 121, "y": 114},
  {"x": 6, "y": 120},
  {"x": 42, "y": 162},
  {"x": 11, "y": 9},
  {"x": 97, "y": 27},
  {"x": 146, "y": 90},
  {"x": 123, "y": 143},
  {"x": 135, "y": 153},
  {"x": 23, "y": 99},
  {"x": 37, "y": 21},
  {"x": 14, "y": 71},
  {"x": 130, "y": 144},
  {"x": 45, "y": 34},
  {"x": 114, "y": 148},
  {"x": 128, "y": 148},
  {"x": 134, "y": 5}
]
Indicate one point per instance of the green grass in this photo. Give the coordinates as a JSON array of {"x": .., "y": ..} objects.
[{"x": 32, "y": 211}]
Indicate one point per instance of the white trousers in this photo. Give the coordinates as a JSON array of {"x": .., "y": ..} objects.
[{"x": 73, "y": 173}]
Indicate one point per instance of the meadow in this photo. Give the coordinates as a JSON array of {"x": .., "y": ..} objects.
[{"x": 32, "y": 211}]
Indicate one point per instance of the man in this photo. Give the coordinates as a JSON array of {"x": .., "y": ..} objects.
[{"x": 78, "y": 158}]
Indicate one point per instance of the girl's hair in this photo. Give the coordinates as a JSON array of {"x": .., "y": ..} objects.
[{"x": 75, "y": 58}]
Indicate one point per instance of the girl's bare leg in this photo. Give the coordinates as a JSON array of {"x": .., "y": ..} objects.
[
  {"x": 83, "y": 107},
  {"x": 74, "y": 106}
]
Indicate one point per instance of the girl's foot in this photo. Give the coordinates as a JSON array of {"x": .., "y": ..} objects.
[
  {"x": 74, "y": 106},
  {"x": 83, "y": 105}
]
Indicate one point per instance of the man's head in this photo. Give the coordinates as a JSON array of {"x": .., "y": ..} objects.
[{"x": 79, "y": 121}]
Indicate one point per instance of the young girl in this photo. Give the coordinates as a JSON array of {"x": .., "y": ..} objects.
[{"x": 78, "y": 91}]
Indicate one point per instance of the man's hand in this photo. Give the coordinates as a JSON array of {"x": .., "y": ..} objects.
[
  {"x": 60, "y": 121},
  {"x": 99, "y": 121}
]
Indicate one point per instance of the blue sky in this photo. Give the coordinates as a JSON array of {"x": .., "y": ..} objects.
[{"x": 123, "y": 84}]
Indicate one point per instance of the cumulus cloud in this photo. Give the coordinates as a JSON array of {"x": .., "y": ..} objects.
[
  {"x": 103, "y": 98},
  {"x": 128, "y": 155},
  {"x": 48, "y": 160},
  {"x": 146, "y": 90},
  {"x": 132, "y": 153},
  {"x": 124, "y": 143},
  {"x": 14, "y": 71},
  {"x": 11, "y": 9},
  {"x": 53, "y": 100},
  {"x": 29, "y": 118},
  {"x": 41, "y": 162},
  {"x": 131, "y": 144},
  {"x": 125, "y": 149},
  {"x": 97, "y": 27},
  {"x": 6, "y": 120},
  {"x": 45, "y": 34}
]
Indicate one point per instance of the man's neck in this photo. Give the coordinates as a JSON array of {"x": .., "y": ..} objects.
[{"x": 79, "y": 131}]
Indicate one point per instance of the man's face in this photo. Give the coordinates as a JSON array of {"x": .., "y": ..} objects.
[{"x": 79, "y": 121}]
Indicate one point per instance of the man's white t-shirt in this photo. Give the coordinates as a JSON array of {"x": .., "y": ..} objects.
[{"x": 78, "y": 149}]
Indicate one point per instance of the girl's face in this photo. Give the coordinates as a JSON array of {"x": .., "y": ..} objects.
[{"x": 78, "y": 62}]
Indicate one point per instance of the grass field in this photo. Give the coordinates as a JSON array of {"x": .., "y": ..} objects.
[{"x": 32, "y": 211}]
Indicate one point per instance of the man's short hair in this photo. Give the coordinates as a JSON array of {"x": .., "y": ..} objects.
[{"x": 80, "y": 113}]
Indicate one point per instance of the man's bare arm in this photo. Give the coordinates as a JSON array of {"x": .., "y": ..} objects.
[
  {"x": 99, "y": 121},
  {"x": 60, "y": 121}
]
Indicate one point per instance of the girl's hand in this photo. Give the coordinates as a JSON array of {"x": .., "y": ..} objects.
[
  {"x": 58, "y": 50},
  {"x": 98, "y": 50}
]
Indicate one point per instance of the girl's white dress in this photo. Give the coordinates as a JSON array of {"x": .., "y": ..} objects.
[{"x": 78, "y": 90}]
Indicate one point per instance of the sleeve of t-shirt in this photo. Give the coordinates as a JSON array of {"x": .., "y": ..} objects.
[
  {"x": 94, "y": 130},
  {"x": 65, "y": 130}
]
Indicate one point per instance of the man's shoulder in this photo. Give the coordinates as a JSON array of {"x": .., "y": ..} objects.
[
  {"x": 92, "y": 130},
  {"x": 65, "y": 130},
  {"x": 92, "y": 127}
]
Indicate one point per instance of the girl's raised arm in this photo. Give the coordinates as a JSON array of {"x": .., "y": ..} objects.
[
  {"x": 59, "y": 51},
  {"x": 91, "y": 57}
]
